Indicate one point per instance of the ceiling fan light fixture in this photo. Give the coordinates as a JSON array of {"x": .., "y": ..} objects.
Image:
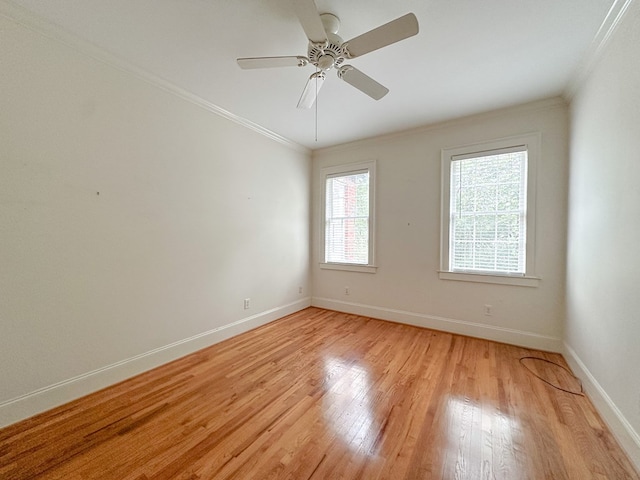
[
  {"x": 325, "y": 62},
  {"x": 330, "y": 22}
]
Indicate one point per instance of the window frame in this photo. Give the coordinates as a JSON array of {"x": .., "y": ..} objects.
[
  {"x": 531, "y": 142},
  {"x": 344, "y": 170}
]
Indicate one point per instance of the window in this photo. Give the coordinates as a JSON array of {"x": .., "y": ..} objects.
[
  {"x": 488, "y": 217},
  {"x": 348, "y": 217}
]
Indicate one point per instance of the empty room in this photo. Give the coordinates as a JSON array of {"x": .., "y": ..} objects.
[{"x": 298, "y": 239}]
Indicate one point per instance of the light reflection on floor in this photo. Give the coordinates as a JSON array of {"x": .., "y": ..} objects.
[
  {"x": 481, "y": 435},
  {"x": 349, "y": 406}
]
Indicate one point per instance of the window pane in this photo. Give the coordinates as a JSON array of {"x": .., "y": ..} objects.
[
  {"x": 485, "y": 253},
  {"x": 463, "y": 255},
  {"x": 488, "y": 213},
  {"x": 485, "y": 228},
  {"x": 508, "y": 227},
  {"x": 508, "y": 196},
  {"x": 465, "y": 227},
  {"x": 485, "y": 198},
  {"x": 347, "y": 219}
]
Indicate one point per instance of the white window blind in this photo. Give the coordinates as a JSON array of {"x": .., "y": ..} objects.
[
  {"x": 347, "y": 218},
  {"x": 488, "y": 210}
]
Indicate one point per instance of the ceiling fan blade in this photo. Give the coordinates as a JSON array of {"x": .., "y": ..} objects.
[
  {"x": 392, "y": 32},
  {"x": 269, "y": 62},
  {"x": 362, "y": 82},
  {"x": 311, "y": 90},
  {"x": 310, "y": 19}
]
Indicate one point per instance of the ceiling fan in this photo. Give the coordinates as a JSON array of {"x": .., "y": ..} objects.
[{"x": 327, "y": 50}]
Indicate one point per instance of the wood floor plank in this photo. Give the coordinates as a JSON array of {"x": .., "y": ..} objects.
[{"x": 322, "y": 394}]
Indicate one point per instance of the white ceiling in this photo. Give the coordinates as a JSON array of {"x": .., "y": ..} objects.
[{"x": 470, "y": 56}]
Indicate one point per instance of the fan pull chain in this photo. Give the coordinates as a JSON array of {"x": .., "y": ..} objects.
[{"x": 317, "y": 103}]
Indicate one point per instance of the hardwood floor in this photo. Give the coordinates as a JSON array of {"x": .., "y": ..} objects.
[{"x": 326, "y": 395}]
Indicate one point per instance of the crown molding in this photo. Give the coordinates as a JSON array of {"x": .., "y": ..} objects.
[
  {"x": 596, "y": 48},
  {"x": 39, "y": 25}
]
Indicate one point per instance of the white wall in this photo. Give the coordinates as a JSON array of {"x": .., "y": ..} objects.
[
  {"x": 603, "y": 267},
  {"x": 133, "y": 224},
  {"x": 406, "y": 286}
]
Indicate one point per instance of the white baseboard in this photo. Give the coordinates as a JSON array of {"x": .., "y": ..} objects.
[
  {"x": 623, "y": 431},
  {"x": 471, "y": 329},
  {"x": 43, "y": 399}
]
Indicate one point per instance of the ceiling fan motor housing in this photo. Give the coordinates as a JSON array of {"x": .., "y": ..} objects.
[{"x": 318, "y": 53}]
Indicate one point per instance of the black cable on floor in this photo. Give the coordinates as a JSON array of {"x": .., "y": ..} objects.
[{"x": 580, "y": 393}]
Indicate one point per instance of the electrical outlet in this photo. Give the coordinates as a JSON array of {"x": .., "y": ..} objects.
[
  {"x": 346, "y": 290},
  {"x": 488, "y": 310},
  {"x": 247, "y": 303},
  {"x": 299, "y": 289}
]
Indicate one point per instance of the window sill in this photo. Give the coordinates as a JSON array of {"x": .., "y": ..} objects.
[
  {"x": 349, "y": 267},
  {"x": 487, "y": 278}
]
